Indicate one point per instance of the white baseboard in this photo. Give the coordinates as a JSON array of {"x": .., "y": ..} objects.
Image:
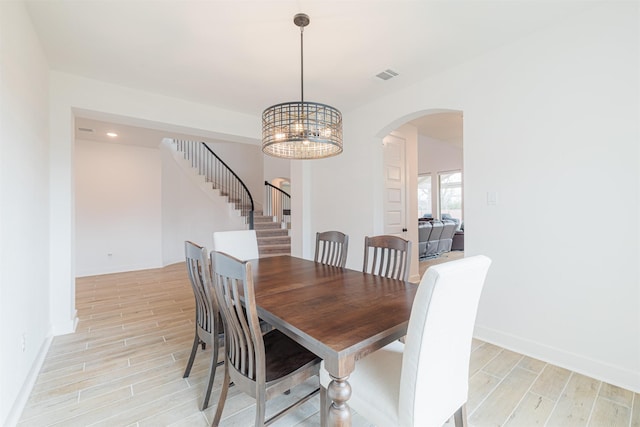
[
  {"x": 67, "y": 327},
  {"x": 18, "y": 406},
  {"x": 615, "y": 375}
]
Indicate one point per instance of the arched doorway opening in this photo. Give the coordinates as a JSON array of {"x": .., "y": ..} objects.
[
  {"x": 433, "y": 183},
  {"x": 277, "y": 201}
]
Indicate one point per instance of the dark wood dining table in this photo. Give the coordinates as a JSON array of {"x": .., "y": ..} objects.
[{"x": 337, "y": 313}]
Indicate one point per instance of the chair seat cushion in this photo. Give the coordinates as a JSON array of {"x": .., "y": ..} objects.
[
  {"x": 283, "y": 355},
  {"x": 375, "y": 384}
]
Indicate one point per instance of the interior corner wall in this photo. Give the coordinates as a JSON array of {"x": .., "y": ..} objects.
[
  {"x": 551, "y": 127},
  {"x": 25, "y": 323},
  {"x": 135, "y": 206},
  {"x": 118, "y": 208},
  {"x": 69, "y": 93}
]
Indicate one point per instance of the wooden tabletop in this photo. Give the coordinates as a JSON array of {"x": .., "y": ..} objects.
[{"x": 339, "y": 314}]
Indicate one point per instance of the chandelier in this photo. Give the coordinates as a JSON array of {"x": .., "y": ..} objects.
[{"x": 301, "y": 130}]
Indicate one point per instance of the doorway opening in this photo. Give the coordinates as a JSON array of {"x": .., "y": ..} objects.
[{"x": 434, "y": 184}]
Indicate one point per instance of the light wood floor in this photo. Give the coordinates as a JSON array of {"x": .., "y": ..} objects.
[
  {"x": 124, "y": 366},
  {"x": 446, "y": 257}
]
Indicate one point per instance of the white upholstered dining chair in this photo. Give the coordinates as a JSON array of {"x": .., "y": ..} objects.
[
  {"x": 240, "y": 244},
  {"x": 424, "y": 382}
]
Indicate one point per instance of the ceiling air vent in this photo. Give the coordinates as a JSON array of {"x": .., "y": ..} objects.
[
  {"x": 85, "y": 130},
  {"x": 386, "y": 74}
]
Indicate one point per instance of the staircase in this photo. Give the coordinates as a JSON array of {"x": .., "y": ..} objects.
[{"x": 272, "y": 238}]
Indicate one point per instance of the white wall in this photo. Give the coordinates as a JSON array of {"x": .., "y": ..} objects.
[
  {"x": 118, "y": 208},
  {"x": 572, "y": 111},
  {"x": 24, "y": 209},
  {"x": 551, "y": 126}
]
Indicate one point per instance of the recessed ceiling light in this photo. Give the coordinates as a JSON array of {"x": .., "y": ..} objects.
[{"x": 112, "y": 134}]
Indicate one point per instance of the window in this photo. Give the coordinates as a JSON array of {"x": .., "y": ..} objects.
[
  {"x": 424, "y": 195},
  {"x": 451, "y": 194}
]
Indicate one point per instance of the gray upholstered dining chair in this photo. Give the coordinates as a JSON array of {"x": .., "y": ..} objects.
[
  {"x": 262, "y": 366},
  {"x": 241, "y": 244},
  {"x": 425, "y": 381},
  {"x": 331, "y": 248},
  {"x": 208, "y": 326},
  {"x": 388, "y": 256}
]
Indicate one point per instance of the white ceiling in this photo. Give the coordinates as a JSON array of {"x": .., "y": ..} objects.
[
  {"x": 245, "y": 55},
  {"x": 441, "y": 126},
  {"x": 97, "y": 130}
]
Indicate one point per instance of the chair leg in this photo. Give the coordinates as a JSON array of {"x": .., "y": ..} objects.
[
  {"x": 223, "y": 394},
  {"x": 194, "y": 349},
  {"x": 324, "y": 407},
  {"x": 460, "y": 416},
  {"x": 260, "y": 408},
  {"x": 213, "y": 364}
]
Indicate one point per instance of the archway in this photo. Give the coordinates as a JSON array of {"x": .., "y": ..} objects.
[{"x": 438, "y": 162}]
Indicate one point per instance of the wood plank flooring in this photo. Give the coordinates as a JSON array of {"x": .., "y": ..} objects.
[{"x": 124, "y": 367}]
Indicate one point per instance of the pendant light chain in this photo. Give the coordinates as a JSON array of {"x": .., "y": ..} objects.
[{"x": 301, "y": 64}]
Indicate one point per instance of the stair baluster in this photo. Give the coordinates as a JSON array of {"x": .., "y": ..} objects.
[{"x": 220, "y": 175}]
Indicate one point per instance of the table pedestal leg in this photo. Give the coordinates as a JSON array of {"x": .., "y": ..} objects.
[{"x": 339, "y": 391}]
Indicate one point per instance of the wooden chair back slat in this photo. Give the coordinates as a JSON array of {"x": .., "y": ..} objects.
[
  {"x": 331, "y": 248},
  {"x": 388, "y": 256}
]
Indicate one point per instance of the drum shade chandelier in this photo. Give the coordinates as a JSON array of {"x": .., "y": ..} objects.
[{"x": 301, "y": 130}]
